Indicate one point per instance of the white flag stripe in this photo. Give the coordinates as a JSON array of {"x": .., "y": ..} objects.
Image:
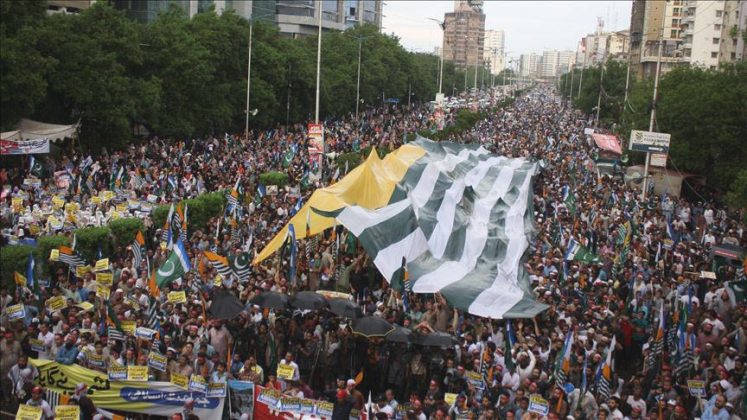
[
  {"x": 389, "y": 259},
  {"x": 360, "y": 219},
  {"x": 422, "y": 192},
  {"x": 474, "y": 242}
]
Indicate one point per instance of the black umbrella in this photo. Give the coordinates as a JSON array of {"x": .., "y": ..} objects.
[
  {"x": 435, "y": 339},
  {"x": 309, "y": 300},
  {"x": 345, "y": 308},
  {"x": 400, "y": 335},
  {"x": 372, "y": 326},
  {"x": 225, "y": 305},
  {"x": 271, "y": 300}
]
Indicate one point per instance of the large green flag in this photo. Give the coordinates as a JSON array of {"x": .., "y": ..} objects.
[
  {"x": 577, "y": 252},
  {"x": 174, "y": 267}
]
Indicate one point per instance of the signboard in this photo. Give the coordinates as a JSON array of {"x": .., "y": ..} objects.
[
  {"x": 242, "y": 399},
  {"x": 696, "y": 388},
  {"x": 197, "y": 384},
  {"x": 659, "y": 160},
  {"x": 24, "y": 147},
  {"x": 102, "y": 265},
  {"x": 216, "y": 389},
  {"x": 177, "y": 297},
  {"x": 269, "y": 396},
  {"x": 649, "y": 141},
  {"x": 157, "y": 361},
  {"x": 316, "y": 145},
  {"x": 37, "y": 345},
  {"x": 145, "y": 333},
  {"x": 588, "y": 131},
  {"x": 137, "y": 373},
  {"x": 128, "y": 327},
  {"x": 182, "y": 381},
  {"x": 67, "y": 412},
  {"x": 450, "y": 398},
  {"x": 475, "y": 379},
  {"x": 27, "y": 412},
  {"x": 117, "y": 373},
  {"x": 56, "y": 303},
  {"x": 285, "y": 371},
  {"x": 16, "y": 311},
  {"x": 538, "y": 405}
]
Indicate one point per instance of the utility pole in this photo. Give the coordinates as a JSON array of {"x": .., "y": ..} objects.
[
  {"x": 318, "y": 64},
  {"x": 358, "y": 84},
  {"x": 599, "y": 95},
  {"x": 248, "y": 78},
  {"x": 653, "y": 108}
]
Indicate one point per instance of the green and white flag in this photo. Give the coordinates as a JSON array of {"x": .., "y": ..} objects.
[
  {"x": 461, "y": 219},
  {"x": 737, "y": 291},
  {"x": 576, "y": 252},
  {"x": 174, "y": 267}
]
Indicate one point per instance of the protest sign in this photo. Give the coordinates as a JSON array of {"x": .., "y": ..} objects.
[
  {"x": 697, "y": 388},
  {"x": 117, "y": 373},
  {"x": 145, "y": 333},
  {"x": 292, "y": 404},
  {"x": 324, "y": 409},
  {"x": 105, "y": 279},
  {"x": 81, "y": 270},
  {"x": 285, "y": 371},
  {"x": 37, "y": 345},
  {"x": 242, "y": 398},
  {"x": 128, "y": 327},
  {"x": 137, "y": 373},
  {"x": 54, "y": 255},
  {"x": 157, "y": 361},
  {"x": 177, "y": 297},
  {"x": 16, "y": 311},
  {"x": 27, "y": 412},
  {"x": 182, "y": 381},
  {"x": 538, "y": 405},
  {"x": 102, "y": 265},
  {"x": 307, "y": 406},
  {"x": 216, "y": 389},
  {"x": 450, "y": 398},
  {"x": 56, "y": 303},
  {"x": 475, "y": 379},
  {"x": 67, "y": 412},
  {"x": 95, "y": 360},
  {"x": 85, "y": 306},
  {"x": 269, "y": 396},
  {"x": 197, "y": 384},
  {"x": 103, "y": 291}
]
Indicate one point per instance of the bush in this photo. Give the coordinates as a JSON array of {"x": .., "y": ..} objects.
[
  {"x": 44, "y": 246},
  {"x": 13, "y": 258},
  {"x": 200, "y": 210},
  {"x": 89, "y": 240},
  {"x": 274, "y": 178},
  {"x": 124, "y": 230}
]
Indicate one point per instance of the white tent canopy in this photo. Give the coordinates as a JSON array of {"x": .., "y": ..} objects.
[{"x": 32, "y": 130}]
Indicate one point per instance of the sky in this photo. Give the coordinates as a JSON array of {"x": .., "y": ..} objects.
[{"x": 529, "y": 26}]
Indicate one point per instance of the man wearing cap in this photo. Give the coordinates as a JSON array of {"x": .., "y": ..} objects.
[
  {"x": 81, "y": 399},
  {"x": 355, "y": 395},
  {"x": 68, "y": 353},
  {"x": 343, "y": 406},
  {"x": 715, "y": 409},
  {"x": 38, "y": 401}
]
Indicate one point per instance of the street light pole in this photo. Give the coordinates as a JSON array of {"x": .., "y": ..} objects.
[
  {"x": 358, "y": 84},
  {"x": 477, "y": 57},
  {"x": 653, "y": 109},
  {"x": 442, "y": 24},
  {"x": 248, "y": 79},
  {"x": 318, "y": 63}
]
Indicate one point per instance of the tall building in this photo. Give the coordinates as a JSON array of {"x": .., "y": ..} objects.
[
  {"x": 735, "y": 21},
  {"x": 618, "y": 45},
  {"x": 566, "y": 59},
  {"x": 529, "y": 64},
  {"x": 464, "y": 34},
  {"x": 495, "y": 50},
  {"x": 294, "y": 18},
  {"x": 548, "y": 66},
  {"x": 68, "y": 6}
]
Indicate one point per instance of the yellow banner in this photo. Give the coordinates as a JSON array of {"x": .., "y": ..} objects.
[
  {"x": 103, "y": 291},
  {"x": 137, "y": 373},
  {"x": 67, "y": 412},
  {"x": 86, "y": 306},
  {"x": 122, "y": 207},
  {"x": 17, "y": 204},
  {"x": 54, "y": 255},
  {"x": 27, "y": 412},
  {"x": 72, "y": 207},
  {"x": 20, "y": 279},
  {"x": 152, "y": 397},
  {"x": 56, "y": 303},
  {"x": 286, "y": 371},
  {"x": 107, "y": 195},
  {"x": 450, "y": 398},
  {"x": 102, "y": 265},
  {"x": 57, "y": 202},
  {"x": 95, "y": 200},
  {"x": 105, "y": 279},
  {"x": 177, "y": 297},
  {"x": 182, "y": 381}
]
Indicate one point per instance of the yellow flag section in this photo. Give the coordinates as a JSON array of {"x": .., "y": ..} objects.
[
  {"x": 153, "y": 398},
  {"x": 370, "y": 185}
]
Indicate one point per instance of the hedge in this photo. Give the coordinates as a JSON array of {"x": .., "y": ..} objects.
[
  {"x": 90, "y": 239},
  {"x": 125, "y": 229},
  {"x": 44, "y": 246},
  {"x": 274, "y": 178},
  {"x": 13, "y": 258},
  {"x": 200, "y": 210}
]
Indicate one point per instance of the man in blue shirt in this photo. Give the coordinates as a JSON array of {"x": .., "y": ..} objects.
[
  {"x": 715, "y": 409},
  {"x": 68, "y": 353}
]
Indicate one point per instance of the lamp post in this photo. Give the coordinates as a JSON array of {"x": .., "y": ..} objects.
[
  {"x": 442, "y": 24},
  {"x": 652, "y": 119},
  {"x": 318, "y": 63},
  {"x": 249, "y": 70}
]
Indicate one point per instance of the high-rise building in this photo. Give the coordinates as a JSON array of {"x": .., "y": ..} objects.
[
  {"x": 294, "y": 18},
  {"x": 549, "y": 64},
  {"x": 528, "y": 64},
  {"x": 495, "y": 50},
  {"x": 735, "y": 21},
  {"x": 566, "y": 59},
  {"x": 464, "y": 34}
]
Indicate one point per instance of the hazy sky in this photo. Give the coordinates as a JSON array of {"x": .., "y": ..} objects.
[{"x": 530, "y": 26}]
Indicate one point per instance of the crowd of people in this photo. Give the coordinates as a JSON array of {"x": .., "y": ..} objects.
[{"x": 607, "y": 309}]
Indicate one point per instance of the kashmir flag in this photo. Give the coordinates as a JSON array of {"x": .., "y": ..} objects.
[
  {"x": 563, "y": 367},
  {"x": 138, "y": 246},
  {"x": 177, "y": 220},
  {"x": 166, "y": 231},
  {"x": 293, "y": 254},
  {"x": 174, "y": 267},
  {"x": 70, "y": 257},
  {"x": 576, "y": 252},
  {"x": 221, "y": 264},
  {"x": 459, "y": 215},
  {"x": 604, "y": 373},
  {"x": 153, "y": 285}
]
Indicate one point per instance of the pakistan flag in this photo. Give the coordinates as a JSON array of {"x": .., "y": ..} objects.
[{"x": 174, "y": 267}]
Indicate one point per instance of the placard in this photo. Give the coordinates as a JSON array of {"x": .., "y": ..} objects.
[
  {"x": 145, "y": 333},
  {"x": 197, "y": 384},
  {"x": 102, "y": 265},
  {"x": 269, "y": 396},
  {"x": 85, "y": 306},
  {"x": 27, "y": 412},
  {"x": 55, "y": 303},
  {"x": 538, "y": 405},
  {"x": 117, "y": 373},
  {"x": 307, "y": 406},
  {"x": 37, "y": 345},
  {"x": 17, "y": 204},
  {"x": 103, "y": 291},
  {"x": 450, "y": 398},
  {"x": 475, "y": 379},
  {"x": 137, "y": 373},
  {"x": 157, "y": 361},
  {"x": 16, "y": 311},
  {"x": 96, "y": 360},
  {"x": 82, "y": 270},
  {"x": 286, "y": 371},
  {"x": 324, "y": 409},
  {"x": 292, "y": 404},
  {"x": 95, "y": 200},
  {"x": 216, "y": 390},
  {"x": 67, "y": 412},
  {"x": 182, "y": 381},
  {"x": 128, "y": 327},
  {"x": 54, "y": 255},
  {"x": 177, "y": 297},
  {"x": 57, "y": 203},
  {"x": 696, "y": 388}
]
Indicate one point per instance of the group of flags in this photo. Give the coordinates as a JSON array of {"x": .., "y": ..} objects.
[{"x": 175, "y": 225}]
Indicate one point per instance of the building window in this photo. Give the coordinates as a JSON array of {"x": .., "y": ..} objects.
[
  {"x": 714, "y": 55},
  {"x": 719, "y": 13},
  {"x": 715, "y": 41},
  {"x": 733, "y": 56},
  {"x": 673, "y": 34},
  {"x": 717, "y": 27}
]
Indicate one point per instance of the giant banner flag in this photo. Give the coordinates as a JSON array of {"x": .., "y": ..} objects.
[
  {"x": 153, "y": 398},
  {"x": 458, "y": 215},
  {"x": 24, "y": 147}
]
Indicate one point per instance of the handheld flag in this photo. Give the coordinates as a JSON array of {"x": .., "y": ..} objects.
[
  {"x": 137, "y": 248},
  {"x": 293, "y": 254},
  {"x": 174, "y": 267}
]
